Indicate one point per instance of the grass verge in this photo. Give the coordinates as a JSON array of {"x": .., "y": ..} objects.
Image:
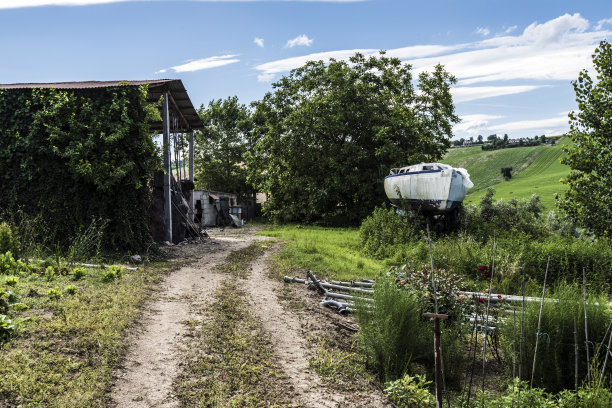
[
  {"x": 332, "y": 253},
  {"x": 70, "y": 339}
]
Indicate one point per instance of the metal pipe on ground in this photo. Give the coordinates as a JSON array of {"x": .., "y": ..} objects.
[
  {"x": 354, "y": 283},
  {"x": 330, "y": 286}
]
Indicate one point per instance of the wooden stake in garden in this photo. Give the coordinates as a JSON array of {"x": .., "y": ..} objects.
[
  {"x": 586, "y": 326},
  {"x": 486, "y": 320},
  {"x": 436, "y": 318},
  {"x": 535, "y": 352}
]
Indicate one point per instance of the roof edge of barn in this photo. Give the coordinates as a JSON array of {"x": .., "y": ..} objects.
[{"x": 156, "y": 88}]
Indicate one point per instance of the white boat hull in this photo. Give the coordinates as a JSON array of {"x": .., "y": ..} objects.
[{"x": 438, "y": 190}]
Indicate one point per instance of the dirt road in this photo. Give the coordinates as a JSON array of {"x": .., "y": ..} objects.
[{"x": 153, "y": 361}]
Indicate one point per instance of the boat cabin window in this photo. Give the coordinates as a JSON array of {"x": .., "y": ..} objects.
[{"x": 428, "y": 167}]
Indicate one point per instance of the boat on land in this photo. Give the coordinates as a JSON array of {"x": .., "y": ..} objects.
[{"x": 430, "y": 188}]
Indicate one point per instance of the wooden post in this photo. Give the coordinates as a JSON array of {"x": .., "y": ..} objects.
[
  {"x": 437, "y": 354},
  {"x": 192, "y": 201},
  {"x": 167, "y": 170}
]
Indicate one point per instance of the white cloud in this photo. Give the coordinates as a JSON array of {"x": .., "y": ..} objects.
[
  {"x": 259, "y": 41},
  {"x": 603, "y": 22},
  {"x": 287, "y": 64},
  {"x": 265, "y": 77},
  {"x": 471, "y": 93},
  {"x": 12, "y": 4},
  {"x": 483, "y": 31},
  {"x": 204, "y": 63},
  {"x": 474, "y": 124},
  {"x": 299, "y": 41},
  {"x": 161, "y": 71},
  {"x": 509, "y": 29},
  {"x": 555, "y": 50},
  {"x": 550, "y": 126}
]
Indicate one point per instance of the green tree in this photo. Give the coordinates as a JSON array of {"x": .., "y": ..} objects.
[
  {"x": 329, "y": 133},
  {"x": 220, "y": 146},
  {"x": 588, "y": 200}
]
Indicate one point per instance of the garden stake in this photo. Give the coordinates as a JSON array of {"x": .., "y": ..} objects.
[
  {"x": 608, "y": 352},
  {"x": 586, "y": 326},
  {"x": 513, "y": 350},
  {"x": 535, "y": 351},
  {"x": 521, "y": 339},
  {"x": 575, "y": 356},
  {"x": 436, "y": 318},
  {"x": 474, "y": 356},
  {"x": 486, "y": 321}
]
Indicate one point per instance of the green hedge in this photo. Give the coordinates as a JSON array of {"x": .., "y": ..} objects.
[{"x": 67, "y": 157}]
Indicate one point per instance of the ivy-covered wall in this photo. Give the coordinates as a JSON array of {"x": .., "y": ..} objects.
[{"x": 68, "y": 156}]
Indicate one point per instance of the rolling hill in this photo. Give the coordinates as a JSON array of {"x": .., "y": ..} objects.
[{"x": 536, "y": 170}]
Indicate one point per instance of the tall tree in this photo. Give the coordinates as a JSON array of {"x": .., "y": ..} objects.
[
  {"x": 588, "y": 200},
  {"x": 220, "y": 146},
  {"x": 329, "y": 133}
]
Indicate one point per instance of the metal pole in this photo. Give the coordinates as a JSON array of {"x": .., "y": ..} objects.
[
  {"x": 586, "y": 326},
  {"x": 192, "y": 200},
  {"x": 535, "y": 352},
  {"x": 608, "y": 353},
  {"x": 486, "y": 320},
  {"x": 575, "y": 356},
  {"x": 167, "y": 170}
]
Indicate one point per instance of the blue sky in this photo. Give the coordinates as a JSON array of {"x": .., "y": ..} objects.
[{"x": 514, "y": 60}]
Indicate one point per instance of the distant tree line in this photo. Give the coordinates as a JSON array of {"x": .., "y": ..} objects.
[{"x": 494, "y": 142}]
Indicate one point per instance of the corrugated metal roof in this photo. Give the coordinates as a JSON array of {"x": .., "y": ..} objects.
[{"x": 156, "y": 89}]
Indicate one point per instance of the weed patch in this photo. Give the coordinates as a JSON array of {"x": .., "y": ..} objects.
[
  {"x": 239, "y": 261},
  {"x": 230, "y": 363},
  {"x": 61, "y": 348},
  {"x": 345, "y": 369}
]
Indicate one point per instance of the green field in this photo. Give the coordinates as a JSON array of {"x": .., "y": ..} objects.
[{"x": 536, "y": 170}]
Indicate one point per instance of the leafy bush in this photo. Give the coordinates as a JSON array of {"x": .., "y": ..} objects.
[
  {"x": 111, "y": 273},
  {"x": 522, "y": 395},
  {"x": 555, "y": 362},
  {"x": 7, "y": 328},
  {"x": 7, "y": 262},
  {"x": 54, "y": 294},
  {"x": 11, "y": 280},
  {"x": 8, "y": 242},
  {"x": 70, "y": 289},
  {"x": 448, "y": 285},
  {"x": 78, "y": 273},
  {"x": 49, "y": 273},
  {"x": 504, "y": 217},
  {"x": 383, "y": 230},
  {"x": 409, "y": 392}
]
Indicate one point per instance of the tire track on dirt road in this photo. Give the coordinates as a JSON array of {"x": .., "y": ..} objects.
[
  {"x": 144, "y": 379},
  {"x": 292, "y": 347}
]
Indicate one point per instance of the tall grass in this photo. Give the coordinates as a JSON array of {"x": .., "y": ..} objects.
[
  {"x": 555, "y": 360},
  {"x": 392, "y": 332},
  {"x": 397, "y": 339}
]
